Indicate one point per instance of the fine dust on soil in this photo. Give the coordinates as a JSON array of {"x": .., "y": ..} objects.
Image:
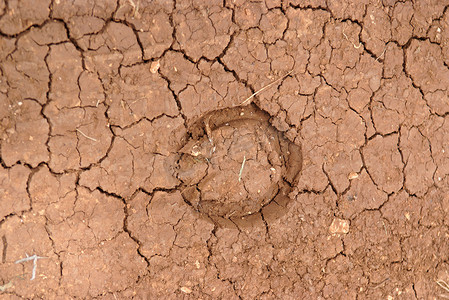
[{"x": 100, "y": 101}]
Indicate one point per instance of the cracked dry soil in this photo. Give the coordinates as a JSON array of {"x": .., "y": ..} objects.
[{"x": 99, "y": 100}]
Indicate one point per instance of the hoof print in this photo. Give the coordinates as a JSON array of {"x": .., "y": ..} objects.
[{"x": 236, "y": 163}]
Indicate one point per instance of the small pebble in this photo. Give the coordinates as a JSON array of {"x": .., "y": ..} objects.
[
  {"x": 339, "y": 226},
  {"x": 154, "y": 66},
  {"x": 186, "y": 290},
  {"x": 353, "y": 175}
]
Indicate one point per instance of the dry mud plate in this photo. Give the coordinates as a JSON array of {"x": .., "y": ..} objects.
[{"x": 134, "y": 162}]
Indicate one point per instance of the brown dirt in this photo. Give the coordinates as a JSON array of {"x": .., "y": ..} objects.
[{"x": 123, "y": 138}]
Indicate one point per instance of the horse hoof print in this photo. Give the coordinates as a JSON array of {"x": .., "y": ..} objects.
[{"x": 236, "y": 163}]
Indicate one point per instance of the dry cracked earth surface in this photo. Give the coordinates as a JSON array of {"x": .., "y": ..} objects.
[{"x": 131, "y": 163}]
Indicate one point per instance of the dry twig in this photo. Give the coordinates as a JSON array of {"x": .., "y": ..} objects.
[
  {"x": 346, "y": 37},
  {"x": 241, "y": 168},
  {"x": 264, "y": 88},
  {"x": 34, "y": 258},
  {"x": 86, "y": 136}
]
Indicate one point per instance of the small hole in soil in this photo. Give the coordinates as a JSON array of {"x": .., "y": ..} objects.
[{"x": 236, "y": 163}]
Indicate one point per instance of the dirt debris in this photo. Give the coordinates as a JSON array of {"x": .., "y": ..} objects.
[{"x": 101, "y": 102}]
